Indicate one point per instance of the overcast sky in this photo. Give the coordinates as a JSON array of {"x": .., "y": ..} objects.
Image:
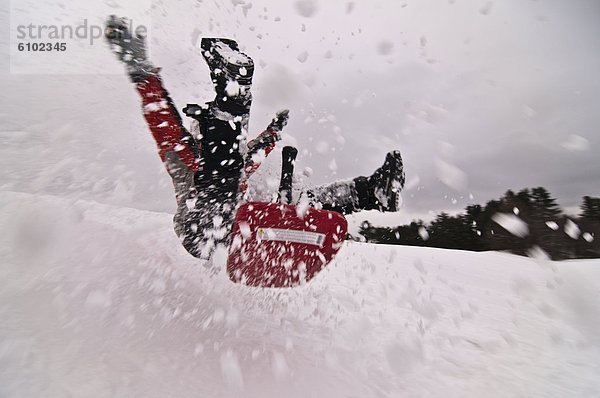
[{"x": 480, "y": 97}]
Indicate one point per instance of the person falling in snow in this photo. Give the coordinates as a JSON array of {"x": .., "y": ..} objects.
[{"x": 210, "y": 165}]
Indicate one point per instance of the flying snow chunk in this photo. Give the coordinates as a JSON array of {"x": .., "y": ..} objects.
[
  {"x": 423, "y": 233},
  {"x": 307, "y": 171},
  {"x": 552, "y": 225},
  {"x": 572, "y": 230},
  {"x": 512, "y": 224},
  {"x": 588, "y": 237},
  {"x": 245, "y": 230},
  {"x": 333, "y": 165},
  {"x": 385, "y": 47},
  {"x": 232, "y": 89},
  {"x": 302, "y": 57},
  {"x": 302, "y": 206},
  {"x": 576, "y": 143},
  {"x": 306, "y": 8}
]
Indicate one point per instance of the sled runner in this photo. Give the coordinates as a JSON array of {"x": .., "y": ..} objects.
[{"x": 282, "y": 245}]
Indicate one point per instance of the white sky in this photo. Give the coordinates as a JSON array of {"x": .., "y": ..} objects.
[{"x": 479, "y": 96}]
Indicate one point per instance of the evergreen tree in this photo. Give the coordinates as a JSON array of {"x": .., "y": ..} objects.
[
  {"x": 544, "y": 212},
  {"x": 590, "y": 209},
  {"x": 588, "y": 244},
  {"x": 476, "y": 229}
]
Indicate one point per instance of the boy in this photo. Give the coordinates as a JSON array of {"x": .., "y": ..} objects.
[{"x": 210, "y": 165}]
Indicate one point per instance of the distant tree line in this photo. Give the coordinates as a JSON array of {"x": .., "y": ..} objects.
[{"x": 517, "y": 223}]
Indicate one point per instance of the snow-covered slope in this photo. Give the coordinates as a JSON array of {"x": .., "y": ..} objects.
[{"x": 101, "y": 301}]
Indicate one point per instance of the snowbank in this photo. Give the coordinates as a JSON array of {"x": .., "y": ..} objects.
[{"x": 100, "y": 301}]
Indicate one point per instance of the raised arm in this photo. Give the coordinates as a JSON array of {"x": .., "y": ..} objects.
[
  {"x": 160, "y": 113},
  {"x": 260, "y": 147}
]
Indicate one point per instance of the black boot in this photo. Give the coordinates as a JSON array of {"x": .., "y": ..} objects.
[{"x": 380, "y": 191}]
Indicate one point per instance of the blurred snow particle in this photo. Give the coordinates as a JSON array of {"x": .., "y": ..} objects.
[
  {"x": 232, "y": 373},
  {"x": 333, "y": 165},
  {"x": 322, "y": 147},
  {"x": 487, "y": 8},
  {"x": 232, "y": 89},
  {"x": 576, "y": 143},
  {"x": 423, "y": 41},
  {"x": 451, "y": 175},
  {"x": 245, "y": 230},
  {"x": 385, "y": 47},
  {"x": 516, "y": 211},
  {"x": 158, "y": 286},
  {"x": 423, "y": 233},
  {"x": 588, "y": 237},
  {"x": 303, "y": 56},
  {"x": 245, "y": 8},
  {"x": 572, "y": 230},
  {"x": 307, "y": 171},
  {"x": 552, "y": 225},
  {"x": 418, "y": 264},
  {"x": 99, "y": 299},
  {"x": 529, "y": 112},
  {"x": 523, "y": 287},
  {"x": 328, "y": 54},
  {"x": 306, "y": 8},
  {"x": 512, "y": 224},
  {"x": 350, "y": 7},
  {"x": 280, "y": 367},
  {"x": 302, "y": 206},
  {"x": 538, "y": 253},
  {"x": 446, "y": 149},
  {"x": 232, "y": 319},
  {"x": 412, "y": 182}
]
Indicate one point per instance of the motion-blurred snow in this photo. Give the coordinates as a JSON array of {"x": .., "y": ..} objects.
[{"x": 100, "y": 300}]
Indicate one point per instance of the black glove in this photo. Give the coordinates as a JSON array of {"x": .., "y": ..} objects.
[
  {"x": 129, "y": 49},
  {"x": 279, "y": 121}
]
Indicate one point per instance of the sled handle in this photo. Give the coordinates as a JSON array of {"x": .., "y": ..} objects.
[{"x": 287, "y": 171}]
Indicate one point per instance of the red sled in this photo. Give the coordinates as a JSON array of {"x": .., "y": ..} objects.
[{"x": 272, "y": 245}]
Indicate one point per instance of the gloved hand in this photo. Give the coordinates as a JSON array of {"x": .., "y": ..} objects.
[
  {"x": 129, "y": 48},
  {"x": 272, "y": 133},
  {"x": 279, "y": 121}
]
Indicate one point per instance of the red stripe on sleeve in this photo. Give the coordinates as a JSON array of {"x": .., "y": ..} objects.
[{"x": 165, "y": 123}]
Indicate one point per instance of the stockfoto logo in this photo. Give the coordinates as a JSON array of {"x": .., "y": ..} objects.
[{"x": 84, "y": 31}]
